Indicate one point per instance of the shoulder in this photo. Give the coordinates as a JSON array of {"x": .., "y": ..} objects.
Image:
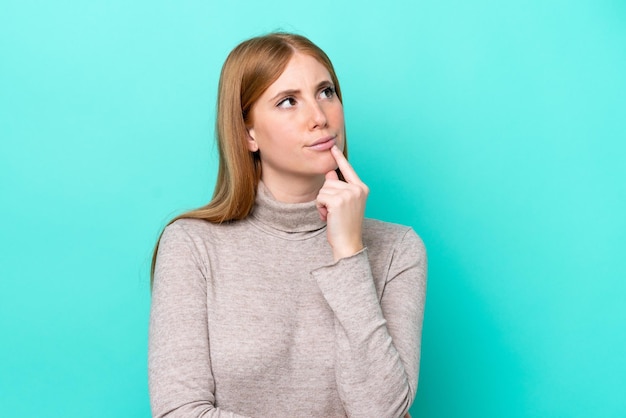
[
  {"x": 202, "y": 235},
  {"x": 187, "y": 226},
  {"x": 394, "y": 250},
  {"x": 179, "y": 236},
  {"x": 189, "y": 234},
  {"x": 195, "y": 229},
  {"x": 380, "y": 234},
  {"x": 182, "y": 230}
]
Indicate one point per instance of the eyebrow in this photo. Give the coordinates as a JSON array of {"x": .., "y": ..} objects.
[{"x": 293, "y": 92}]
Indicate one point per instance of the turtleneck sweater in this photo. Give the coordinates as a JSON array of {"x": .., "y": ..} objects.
[{"x": 254, "y": 318}]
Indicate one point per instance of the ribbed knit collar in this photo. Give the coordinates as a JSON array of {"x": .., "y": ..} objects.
[{"x": 285, "y": 218}]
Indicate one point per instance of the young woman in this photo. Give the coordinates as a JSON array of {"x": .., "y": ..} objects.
[{"x": 278, "y": 299}]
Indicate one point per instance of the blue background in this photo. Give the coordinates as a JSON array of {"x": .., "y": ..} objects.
[{"x": 495, "y": 129}]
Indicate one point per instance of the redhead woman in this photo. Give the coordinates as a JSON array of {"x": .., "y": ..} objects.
[{"x": 278, "y": 299}]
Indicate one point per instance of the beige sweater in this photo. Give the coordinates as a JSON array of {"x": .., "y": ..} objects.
[{"x": 253, "y": 318}]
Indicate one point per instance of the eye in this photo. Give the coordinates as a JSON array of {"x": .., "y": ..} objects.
[
  {"x": 328, "y": 92},
  {"x": 287, "y": 103}
]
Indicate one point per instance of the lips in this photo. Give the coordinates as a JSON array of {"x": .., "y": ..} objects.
[{"x": 323, "y": 144}]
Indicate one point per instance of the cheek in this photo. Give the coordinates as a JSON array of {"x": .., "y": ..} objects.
[
  {"x": 337, "y": 115},
  {"x": 267, "y": 131},
  {"x": 277, "y": 138},
  {"x": 338, "y": 123}
]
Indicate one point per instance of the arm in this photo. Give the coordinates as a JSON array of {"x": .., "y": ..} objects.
[
  {"x": 179, "y": 366},
  {"x": 377, "y": 342}
]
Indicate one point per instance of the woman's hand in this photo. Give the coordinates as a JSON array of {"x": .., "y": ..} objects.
[{"x": 342, "y": 205}]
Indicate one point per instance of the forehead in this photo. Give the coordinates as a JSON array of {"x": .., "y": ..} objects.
[{"x": 302, "y": 71}]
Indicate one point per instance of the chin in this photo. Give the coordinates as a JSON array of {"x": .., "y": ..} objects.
[
  {"x": 323, "y": 166},
  {"x": 330, "y": 167}
]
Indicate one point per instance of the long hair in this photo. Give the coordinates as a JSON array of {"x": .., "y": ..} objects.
[{"x": 248, "y": 71}]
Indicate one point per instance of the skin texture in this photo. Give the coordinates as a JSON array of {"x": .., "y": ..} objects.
[{"x": 297, "y": 126}]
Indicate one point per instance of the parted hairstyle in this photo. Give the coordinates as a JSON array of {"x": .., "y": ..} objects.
[{"x": 248, "y": 71}]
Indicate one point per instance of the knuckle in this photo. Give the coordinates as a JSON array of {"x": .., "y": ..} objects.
[{"x": 362, "y": 191}]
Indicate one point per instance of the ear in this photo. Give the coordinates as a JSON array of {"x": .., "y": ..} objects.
[{"x": 252, "y": 145}]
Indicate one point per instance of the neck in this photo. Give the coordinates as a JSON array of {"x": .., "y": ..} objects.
[{"x": 294, "y": 189}]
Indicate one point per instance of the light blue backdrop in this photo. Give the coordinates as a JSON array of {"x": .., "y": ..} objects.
[{"x": 495, "y": 129}]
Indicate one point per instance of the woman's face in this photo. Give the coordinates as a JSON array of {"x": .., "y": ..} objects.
[{"x": 296, "y": 121}]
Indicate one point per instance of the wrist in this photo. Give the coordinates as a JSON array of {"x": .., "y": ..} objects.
[{"x": 347, "y": 250}]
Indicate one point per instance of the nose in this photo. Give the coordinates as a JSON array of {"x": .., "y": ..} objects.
[{"x": 318, "y": 116}]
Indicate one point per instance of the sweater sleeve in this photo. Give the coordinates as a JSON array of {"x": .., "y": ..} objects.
[
  {"x": 377, "y": 340},
  {"x": 179, "y": 367}
]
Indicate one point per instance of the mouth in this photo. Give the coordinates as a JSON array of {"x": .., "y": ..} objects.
[{"x": 323, "y": 144}]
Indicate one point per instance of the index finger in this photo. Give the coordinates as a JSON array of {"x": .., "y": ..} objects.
[{"x": 344, "y": 166}]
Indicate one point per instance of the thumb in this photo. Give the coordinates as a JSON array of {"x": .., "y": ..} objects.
[{"x": 323, "y": 212}]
